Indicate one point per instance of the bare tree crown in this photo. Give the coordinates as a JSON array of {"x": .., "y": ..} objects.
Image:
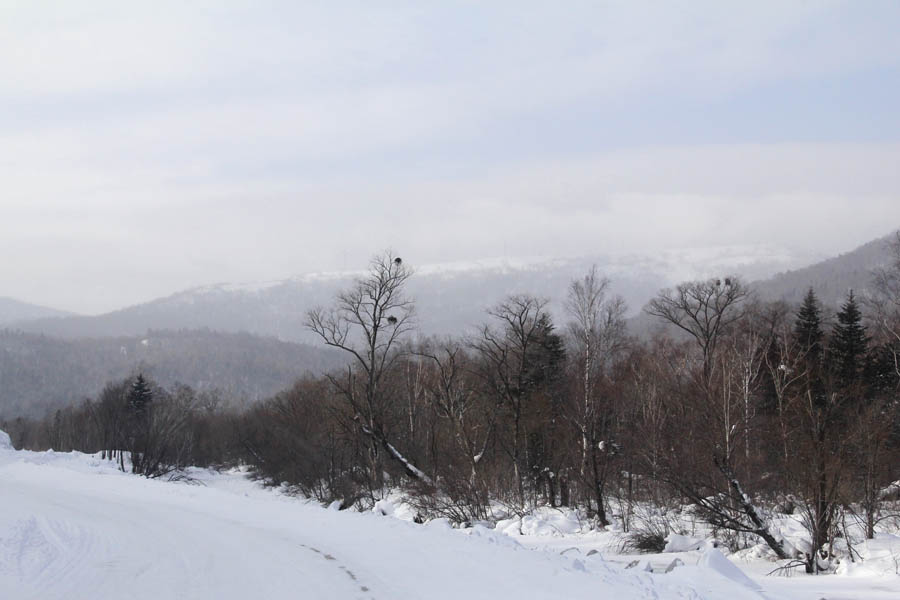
[{"x": 367, "y": 319}]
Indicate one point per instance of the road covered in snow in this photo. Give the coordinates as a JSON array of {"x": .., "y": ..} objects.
[{"x": 72, "y": 526}]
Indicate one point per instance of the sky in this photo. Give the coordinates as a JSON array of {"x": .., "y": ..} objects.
[{"x": 147, "y": 148}]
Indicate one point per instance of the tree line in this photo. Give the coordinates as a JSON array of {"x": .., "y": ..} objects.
[{"x": 737, "y": 407}]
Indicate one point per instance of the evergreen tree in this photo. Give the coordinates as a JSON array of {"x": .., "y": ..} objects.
[
  {"x": 848, "y": 344},
  {"x": 140, "y": 396},
  {"x": 880, "y": 371},
  {"x": 546, "y": 358},
  {"x": 808, "y": 328}
]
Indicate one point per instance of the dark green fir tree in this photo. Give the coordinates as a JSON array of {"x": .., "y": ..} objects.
[
  {"x": 140, "y": 396},
  {"x": 808, "y": 328},
  {"x": 849, "y": 343}
]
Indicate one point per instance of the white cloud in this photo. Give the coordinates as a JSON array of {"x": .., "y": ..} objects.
[{"x": 149, "y": 148}]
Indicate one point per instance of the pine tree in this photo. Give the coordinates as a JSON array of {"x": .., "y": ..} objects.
[
  {"x": 810, "y": 337},
  {"x": 848, "y": 344},
  {"x": 808, "y": 328},
  {"x": 140, "y": 396}
]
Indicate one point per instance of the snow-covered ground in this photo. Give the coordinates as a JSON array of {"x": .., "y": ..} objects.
[
  {"x": 876, "y": 578},
  {"x": 72, "y": 526}
]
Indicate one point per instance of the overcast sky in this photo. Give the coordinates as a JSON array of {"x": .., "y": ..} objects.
[{"x": 155, "y": 146}]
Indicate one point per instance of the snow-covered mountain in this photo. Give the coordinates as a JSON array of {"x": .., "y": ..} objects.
[{"x": 450, "y": 296}]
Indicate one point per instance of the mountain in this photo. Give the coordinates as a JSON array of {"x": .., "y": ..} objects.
[
  {"x": 449, "y": 297},
  {"x": 12, "y": 310},
  {"x": 832, "y": 278},
  {"x": 211, "y": 336},
  {"x": 40, "y": 373}
]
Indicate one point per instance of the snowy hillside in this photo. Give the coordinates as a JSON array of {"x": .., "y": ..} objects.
[{"x": 71, "y": 526}]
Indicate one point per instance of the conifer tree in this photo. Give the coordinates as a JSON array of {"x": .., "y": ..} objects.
[
  {"x": 848, "y": 344},
  {"x": 139, "y": 396},
  {"x": 810, "y": 338},
  {"x": 808, "y": 327}
]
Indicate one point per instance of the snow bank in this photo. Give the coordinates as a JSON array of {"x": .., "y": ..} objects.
[
  {"x": 714, "y": 560},
  {"x": 492, "y": 536},
  {"x": 683, "y": 543},
  {"x": 891, "y": 492},
  {"x": 543, "y": 521},
  {"x": 384, "y": 508},
  {"x": 5, "y": 443},
  {"x": 881, "y": 557}
]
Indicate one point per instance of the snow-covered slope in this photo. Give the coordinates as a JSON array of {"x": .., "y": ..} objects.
[{"x": 71, "y": 526}]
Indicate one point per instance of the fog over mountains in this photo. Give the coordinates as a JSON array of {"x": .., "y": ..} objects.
[
  {"x": 12, "y": 311},
  {"x": 449, "y": 297},
  {"x": 248, "y": 341}
]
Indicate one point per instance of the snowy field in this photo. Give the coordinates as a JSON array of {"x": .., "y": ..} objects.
[{"x": 73, "y": 527}]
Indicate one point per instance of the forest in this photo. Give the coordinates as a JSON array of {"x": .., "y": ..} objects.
[{"x": 733, "y": 408}]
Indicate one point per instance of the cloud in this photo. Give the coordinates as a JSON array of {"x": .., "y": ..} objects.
[{"x": 149, "y": 148}]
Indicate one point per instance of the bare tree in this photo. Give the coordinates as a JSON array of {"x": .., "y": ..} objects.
[
  {"x": 884, "y": 301},
  {"x": 785, "y": 366},
  {"x": 367, "y": 322},
  {"x": 508, "y": 355},
  {"x": 451, "y": 392},
  {"x": 703, "y": 309},
  {"x": 706, "y": 310},
  {"x": 597, "y": 329}
]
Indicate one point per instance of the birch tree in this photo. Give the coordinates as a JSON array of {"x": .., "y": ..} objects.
[{"x": 597, "y": 330}]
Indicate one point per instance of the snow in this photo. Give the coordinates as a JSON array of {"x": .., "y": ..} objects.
[
  {"x": 673, "y": 265},
  {"x": 714, "y": 560},
  {"x": 72, "y": 526},
  {"x": 683, "y": 543},
  {"x": 542, "y": 522}
]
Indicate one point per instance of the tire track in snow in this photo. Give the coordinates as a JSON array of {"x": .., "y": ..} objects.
[{"x": 328, "y": 557}]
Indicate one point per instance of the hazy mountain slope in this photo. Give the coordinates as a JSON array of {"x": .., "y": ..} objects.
[
  {"x": 12, "y": 310},
  {"x": 831, "y": 279},
  {"x": 449, "y": 297},
  {"x": 38, "y": 373}
]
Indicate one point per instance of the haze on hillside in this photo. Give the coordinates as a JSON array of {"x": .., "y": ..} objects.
[{"x": 148, "y": 149}]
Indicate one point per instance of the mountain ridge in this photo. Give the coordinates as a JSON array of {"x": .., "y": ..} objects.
[
  {"x": 449, "y": 296},
  {"x": 13, "y": 310}
]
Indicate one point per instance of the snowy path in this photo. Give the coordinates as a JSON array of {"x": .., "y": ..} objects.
[{"x": 72, "y": 527}]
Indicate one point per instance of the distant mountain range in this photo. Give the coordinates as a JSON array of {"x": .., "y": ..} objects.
[
  {"x": 12, "y": 311},
  {"x": 249, "y": 340},
  {"x": 449, "y": 297}
]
